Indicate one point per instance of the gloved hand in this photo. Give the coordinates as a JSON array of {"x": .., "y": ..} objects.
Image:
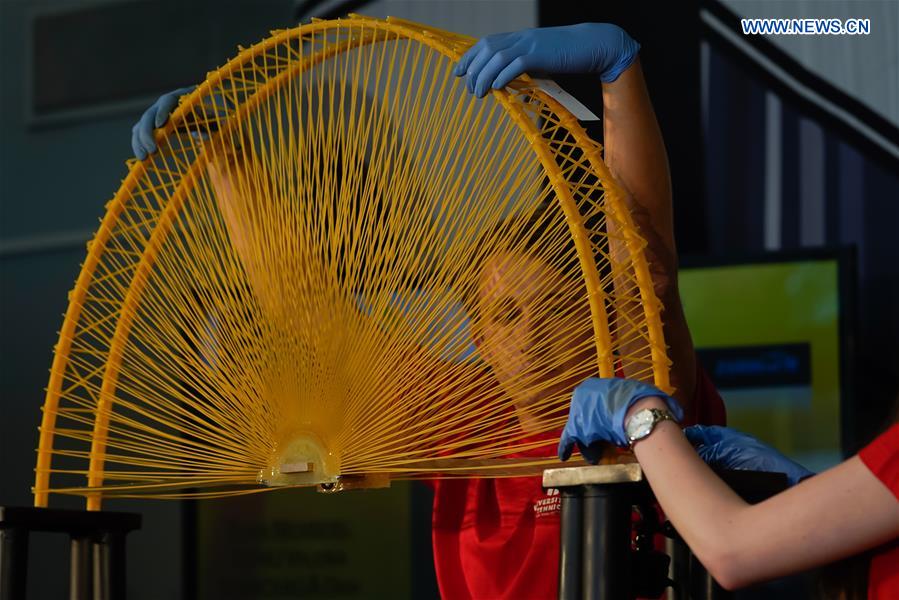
[
  {"x": 154, "y": 117},
  {"x": 598, "y": 407},
  {"x": 497, "y": 59},
  {"x": 731, "y": 449}
]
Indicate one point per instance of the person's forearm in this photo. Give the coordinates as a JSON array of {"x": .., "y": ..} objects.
[
  {"x": 702, "y": 508},
  {"x": 635, "y": 154},
  {"x": 832, "y": 515},
  {"x": 635, "y": 151}
]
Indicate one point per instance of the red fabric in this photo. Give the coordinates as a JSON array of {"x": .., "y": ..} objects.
[
  {"x": 499, "y": 538},
  {"x": 882, "y": 457},
  {"x": 709, "y": 407}
]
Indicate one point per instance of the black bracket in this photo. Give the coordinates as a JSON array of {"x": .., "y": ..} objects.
[{"x": 97, "y": 544}]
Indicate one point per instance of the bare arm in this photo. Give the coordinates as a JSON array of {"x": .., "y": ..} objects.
[
  {"x": 840, "y": 512},
  {"x": 635, "y": 154}
]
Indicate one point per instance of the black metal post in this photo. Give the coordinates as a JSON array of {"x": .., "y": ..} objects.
[
  {"x": 109, "y": 566},
  {"x": 607, "y": 542},
  {"x": 570, "y": 557},
  {"x": 13, "y": 562},
  {"x": 80, "y": 571},
  {"x": 100, "y": 569},
  {"x": 97, "y": 561},
  {"x": 678, "y": 568}
]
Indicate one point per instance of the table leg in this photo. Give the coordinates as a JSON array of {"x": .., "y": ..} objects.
[
  {"x": 607, "y": 542},
  {"x": 571, "y": 555},
  {"x": 13, "y": 562}
]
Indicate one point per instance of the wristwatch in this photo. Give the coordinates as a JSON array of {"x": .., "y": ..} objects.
[{"x": 644, "y": 421}]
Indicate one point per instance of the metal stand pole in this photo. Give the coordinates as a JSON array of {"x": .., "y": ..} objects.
[
  {"x": 80, "y": 572},
  {"x": 97, "y": 560},
  {"x": 570, "y": 557},
  {"x": 607, "y": 542},
  {"x": 109, "y": 567},
  {"x": 13, "y": 562},
  {"x": 678, "y": 568}
]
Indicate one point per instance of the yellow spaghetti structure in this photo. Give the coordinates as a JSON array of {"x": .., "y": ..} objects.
[{"x": 340, "y": 264}]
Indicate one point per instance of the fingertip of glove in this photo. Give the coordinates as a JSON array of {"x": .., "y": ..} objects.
[{"x": 591, "y": 456}]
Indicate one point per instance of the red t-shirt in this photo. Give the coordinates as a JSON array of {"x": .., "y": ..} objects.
[
  {"x": 499, "y": 538},
  {"x": 882, "y": 457}
]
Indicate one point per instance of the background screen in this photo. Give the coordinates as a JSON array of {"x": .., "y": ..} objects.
[{"x": 769, "y": 335}]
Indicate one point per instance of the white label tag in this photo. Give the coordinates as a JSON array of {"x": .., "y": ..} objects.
[{"x": 574, "y": 106}]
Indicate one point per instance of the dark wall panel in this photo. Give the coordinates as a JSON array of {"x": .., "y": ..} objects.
[{"x": 668, "y": 33}]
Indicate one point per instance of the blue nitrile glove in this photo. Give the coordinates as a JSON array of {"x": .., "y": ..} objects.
[
  {"x": 731, "y": 449},
  {"x": 142, "y": 142},
  {"x": 497, "y": 59},
  {"x": 598, "y": 407}
]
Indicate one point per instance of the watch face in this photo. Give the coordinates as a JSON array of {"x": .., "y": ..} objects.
[{"x": 640, "y": 424}]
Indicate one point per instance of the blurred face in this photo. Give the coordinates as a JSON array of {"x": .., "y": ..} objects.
[{"x": 535, "y": 334}]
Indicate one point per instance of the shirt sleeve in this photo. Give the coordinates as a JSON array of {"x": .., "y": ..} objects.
[
  {"x": 708, "y": 405},
  {"x": 882, "y": 457}
]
